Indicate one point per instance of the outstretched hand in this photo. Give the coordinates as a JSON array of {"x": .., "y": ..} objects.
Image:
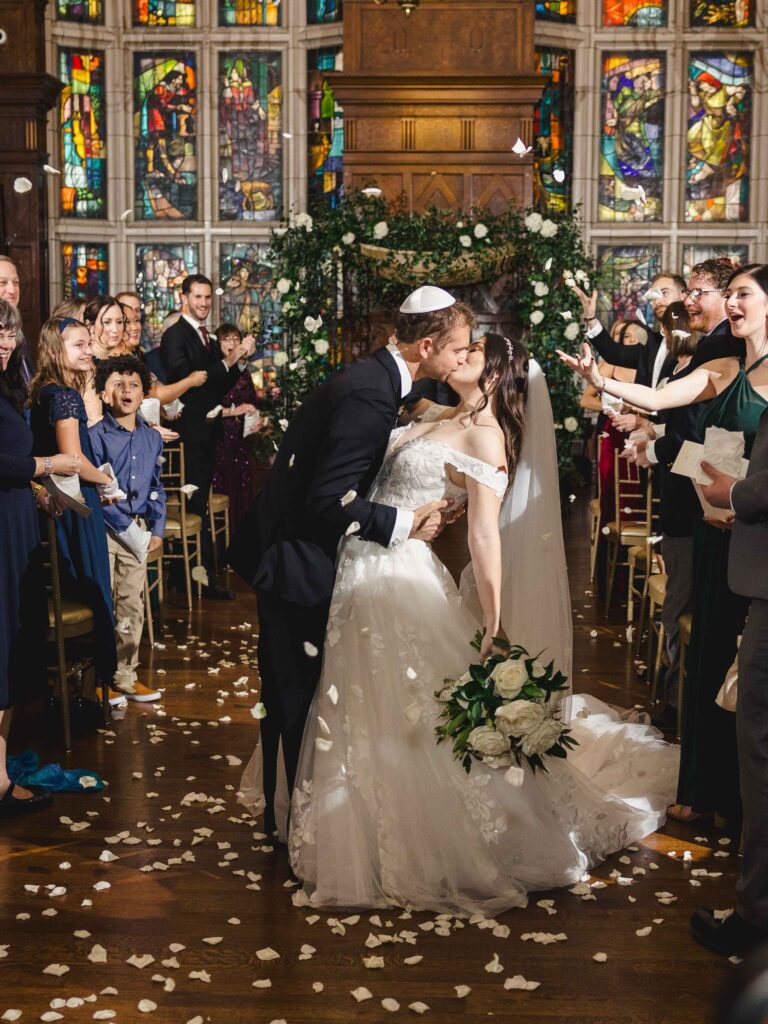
[
  {"x": 588, "y": 302},
  {"x": 584, "y": 364}
]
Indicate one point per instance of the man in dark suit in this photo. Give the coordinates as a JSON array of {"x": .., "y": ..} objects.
[
  {"x": 748, "y": 575},
  {"x": 286, "y": 545},
  {"x": 187, "y": 346},
  {"x": 649, "y": 360}
]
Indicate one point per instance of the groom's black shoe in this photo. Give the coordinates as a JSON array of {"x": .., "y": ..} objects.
[{"x": 732, "y": 937}]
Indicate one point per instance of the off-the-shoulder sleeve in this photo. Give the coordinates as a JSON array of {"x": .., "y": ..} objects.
[
  {"x": 495, "y": 479},
  {"x": 395, "y": 436},
  {"x": 65, "y": 404}
]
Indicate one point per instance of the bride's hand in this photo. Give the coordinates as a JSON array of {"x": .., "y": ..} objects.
[{"x": 487, "y": 646}]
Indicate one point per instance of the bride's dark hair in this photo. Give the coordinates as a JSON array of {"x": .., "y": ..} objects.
[{"x": 505, "y": 379}]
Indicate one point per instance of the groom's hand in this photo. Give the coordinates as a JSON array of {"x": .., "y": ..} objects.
[{"x": 429, "y": 520}]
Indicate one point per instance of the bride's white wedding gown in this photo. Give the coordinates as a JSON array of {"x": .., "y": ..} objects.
[{"x": 381, "y": 814}]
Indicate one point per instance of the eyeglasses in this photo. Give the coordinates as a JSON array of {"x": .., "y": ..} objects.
[{"x": 696, "y": 293}]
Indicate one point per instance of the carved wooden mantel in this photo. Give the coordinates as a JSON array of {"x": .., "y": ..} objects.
[{"x": 434, "y": 102}]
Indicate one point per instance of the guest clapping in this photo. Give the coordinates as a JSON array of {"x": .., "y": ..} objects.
[
  {"x": 59, "y": 425},
  {"x": 135, "y": 524}
]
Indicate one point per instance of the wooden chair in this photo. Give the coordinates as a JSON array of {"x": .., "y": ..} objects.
[
  {"x": 154, "y": 562},
  {"x": 67, "y": 620},
  {"x": 631, "y": 522},
  {"x": 657, "y": 592},
  {"x": 643, "y": 560},
  {"x": 182, "y": 528},
  {"x": 594, "y": 518},
  {"x": 218, "y": 505}
]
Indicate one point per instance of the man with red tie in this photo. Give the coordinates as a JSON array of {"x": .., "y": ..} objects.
[{"x": 187, "y": 346}]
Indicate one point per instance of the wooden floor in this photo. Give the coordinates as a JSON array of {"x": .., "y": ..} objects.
[{"x": 195, "y": 894}]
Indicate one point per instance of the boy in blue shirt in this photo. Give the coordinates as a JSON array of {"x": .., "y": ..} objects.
[{"x": 135, "y": 525}]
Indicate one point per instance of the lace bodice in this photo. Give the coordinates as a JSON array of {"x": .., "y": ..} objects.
[{"x": 415, "y": 472}]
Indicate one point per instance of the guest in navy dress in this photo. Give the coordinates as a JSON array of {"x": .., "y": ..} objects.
[
  {"x": 233, "y": 474},
  {"x": 23, "y": 602},
  {"x": 59, "y": 424}
]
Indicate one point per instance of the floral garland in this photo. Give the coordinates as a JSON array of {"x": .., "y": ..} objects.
[{"x": 336, "y": 270}]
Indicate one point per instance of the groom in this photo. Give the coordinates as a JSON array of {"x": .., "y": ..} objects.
[{"x": 286, "y": 545}]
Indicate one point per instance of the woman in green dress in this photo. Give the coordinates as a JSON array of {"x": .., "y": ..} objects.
[{"x": 735, "y": 396}]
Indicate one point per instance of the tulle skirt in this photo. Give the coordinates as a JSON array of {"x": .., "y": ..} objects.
[{"x": 383, "y": 816}]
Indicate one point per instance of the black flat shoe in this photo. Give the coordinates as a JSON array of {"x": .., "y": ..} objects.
[
  {"x": 732, "y": 937},
  {"x": 11, "y": 805},
  {"x": 214, "y": 593}
]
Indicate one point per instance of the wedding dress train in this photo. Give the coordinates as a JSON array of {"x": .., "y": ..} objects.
[{"x": 383, "y": 816}]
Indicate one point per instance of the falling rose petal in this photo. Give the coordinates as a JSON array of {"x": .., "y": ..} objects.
[
  {"x": 600, "y": 958},
  {"x": 22, "y": 185},
  {"x": 106, "y": 856},
  {"x": 56, "y": 969},
  {"x": 323, "y": 745},
  {"x": 559, "y": 175},
  {"x": 50, "y": 169},
  {"x": 361, "y": 994},
  {"x": 462, "y": 991},
  {"x": 258, "y": 711},
  {"x": 333, "y": 694},
  {"x": 640, "y": 316},
  {"x": 317, "y": 986},
  {"x": 214, "y": 940},
  {"x": 146, "y": 1006},
  {"x": 126, "y": 214},
  {"x": 391, "y": 1005},
  {"x": 520, "y": 149},
  {"x": 642, "y": 932},
  {"x": 219, "y": 291},
  {"x": 373, "y": 963},
  {"x": 348, "y": 498},
  {"x": 493, "y": 966},
  {"x": 353, "y": 528},
  {"x": 140, "y": 962},
  {"x": 262, "y": 983},
  {"x": 418, "y": 1007},
  {"x": 200, "y": 575},
  {"x": 11, "y": 1015},
  {"x": 98, "y": 955},
  {"x": 310, "y": 650},
  {"x": 411, "y": 961},
  {"x": 214, "y": 412}
]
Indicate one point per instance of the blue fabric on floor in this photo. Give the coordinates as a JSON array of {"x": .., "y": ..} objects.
[{"x": 24, "y": 769}]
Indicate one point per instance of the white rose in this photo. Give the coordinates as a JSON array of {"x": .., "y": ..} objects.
[
  {"x": 480, "y": 231},
  {"x": 303, "y": 220},
  {"x": 313, "y": 325},
  {"x": 533, "y": 222},
  {"x": 349, "y": 238},
  {"x": 572, "y": 331},
  {"x": 542, "y": 737},
  {"x": 571, "y": 424},
  {"x": 548, "y": 229},
  {"x": 280, "y": 358},
  {"x": 581, "y": 275},
  {"x": 321, "y": 346},
  {"x": 541, "y": 289},
  {"x": 537, "y": 316},
  {"x": 287, "y": 306},
  {"x": 284, "y": 285},
  {"x": 381, "y": 230},
  {"x": 466, "y": 241},
  {"x": 519, "y": 717},
  {"x": 488, "y": 741},
  {"x": 279, "y": 232},
  {"x": 509, "y": 678}
]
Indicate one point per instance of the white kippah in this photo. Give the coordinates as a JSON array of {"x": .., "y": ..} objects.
[{"x": 427, "y": 299}]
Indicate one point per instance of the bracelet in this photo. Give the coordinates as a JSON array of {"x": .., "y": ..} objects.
[
  {"x": 47, "y": 466},
  {"x": 588, "y": 319}
]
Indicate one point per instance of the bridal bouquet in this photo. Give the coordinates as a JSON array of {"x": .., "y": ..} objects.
[{"x": 505, "y": 712}]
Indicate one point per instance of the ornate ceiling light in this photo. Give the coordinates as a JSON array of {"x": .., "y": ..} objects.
[{"x": 407, "y": 6}]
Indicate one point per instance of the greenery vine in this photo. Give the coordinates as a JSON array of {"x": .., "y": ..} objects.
[{"x": 333, "y": 287}]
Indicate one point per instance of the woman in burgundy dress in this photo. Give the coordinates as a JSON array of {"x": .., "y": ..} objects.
[{"x": 234, "y": 467}]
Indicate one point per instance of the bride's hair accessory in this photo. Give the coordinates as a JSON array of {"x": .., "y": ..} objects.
[{"x": 427, "y": 299}]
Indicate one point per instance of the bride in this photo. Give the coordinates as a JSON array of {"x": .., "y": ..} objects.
[{"x": 382, "y": 816}]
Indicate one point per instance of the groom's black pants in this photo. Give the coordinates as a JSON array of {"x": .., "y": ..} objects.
[{"x": 289, "y": 677}]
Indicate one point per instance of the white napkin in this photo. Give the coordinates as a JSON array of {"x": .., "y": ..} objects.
[
  {"x": 150, "y": 411},
  {"x": 173, "y": 409},
  {"x": 112, "y": 489},
  {"x": 609, "y": 402},
  {"x": 251, "y": 423},
  {"x": 136, "y": 540}
]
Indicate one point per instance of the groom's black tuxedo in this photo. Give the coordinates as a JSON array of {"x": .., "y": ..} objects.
[{"x": 286, "y": 544}]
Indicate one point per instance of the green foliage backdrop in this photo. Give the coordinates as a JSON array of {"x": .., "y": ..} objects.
[{"x": 331, "y": 287}]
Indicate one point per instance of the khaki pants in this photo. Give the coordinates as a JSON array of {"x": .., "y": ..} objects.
[{"x": 128, "y": 575}]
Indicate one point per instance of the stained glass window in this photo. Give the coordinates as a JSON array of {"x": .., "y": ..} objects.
[
  {"x": 85, "y": 269},
  {"x": 553, "y": 130},
  {"x": 723, "y": 13},
  {"x": 165, "y": 135},
  {"x": 632, "y": 143},
  {"x": 693, "y": 254},
  {"x": 325, "y": 128},
  {"x": 625, "y": 273},
  {"x": 160, "y": 269},
  {"x": 250, "y": 300},
  {"x": 250, "y": 136},
  {"x": 249, "y": 12},
  {"x": 80, "y": 10},
  {"x": 321, "y": 11},
  {"x": 164, "y": 12},
  {"x": 635, "y": 13},
  {"x": 556, "y": 10},
  {"x": 83, "y": 134},
  {"x": 718, "y": 137}
]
